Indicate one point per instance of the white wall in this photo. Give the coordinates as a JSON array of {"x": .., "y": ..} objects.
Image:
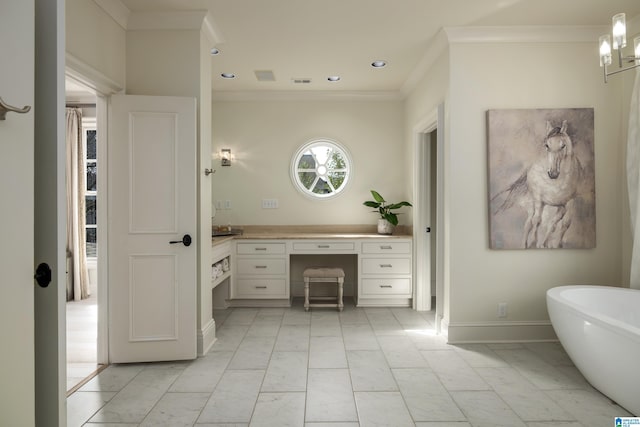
[
  {"x": 421, "y": 103},
  {"x": 263, "y": 136},
  {"x": 472, "y": 78},
  {"x": 94, "y": 38},
  {"x": 523, "y": 75}
]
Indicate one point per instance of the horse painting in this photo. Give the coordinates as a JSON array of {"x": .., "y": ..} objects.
[{"x": 546, "y": 190}]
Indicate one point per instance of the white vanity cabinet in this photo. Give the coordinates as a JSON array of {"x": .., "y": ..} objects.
[
  {"x": 382, "y": 268},
  {"x": 261, "y": 271},
  {"x": 385, "y": 273}
]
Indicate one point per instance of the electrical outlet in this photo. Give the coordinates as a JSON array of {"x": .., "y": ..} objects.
[
  {"x": 502, "y": 309},
  {"x": 269, "y": 203},
  {"x": 227, "y": 204}
]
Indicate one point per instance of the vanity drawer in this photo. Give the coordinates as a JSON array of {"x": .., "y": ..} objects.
[
  {"x": 386, "y": 286},
  {"x": 259, "y": 266},
  {"x": 261, "y": 288},
  {"x": 260, "y": 248},
  {"x": 386, "y": 248},
  {"x": 386, "y": 266},
  {"x": 323, "y": 246}
]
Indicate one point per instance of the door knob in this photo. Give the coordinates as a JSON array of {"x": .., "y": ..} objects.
[
  {"x": 43, "y": 275},
  {"x": 186, "y": 240}
]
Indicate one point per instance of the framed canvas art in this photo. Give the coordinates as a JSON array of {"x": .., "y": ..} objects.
[{"x": 541, "y": 178}]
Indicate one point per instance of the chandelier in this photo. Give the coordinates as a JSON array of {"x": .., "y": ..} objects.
[{"x": 619, "y": 33}]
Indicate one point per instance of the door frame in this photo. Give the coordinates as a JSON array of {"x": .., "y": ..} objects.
[
  {"x": 422, "y": 200},
  {"x": 102, "y": 87}
]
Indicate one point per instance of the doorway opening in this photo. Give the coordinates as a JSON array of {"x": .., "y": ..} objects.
[
  {"x": 429, "y": 215},
  {"x": 82, "y": 243}
]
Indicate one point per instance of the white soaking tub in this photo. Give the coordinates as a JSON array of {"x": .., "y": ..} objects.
[{"x": 599, "y": 327}]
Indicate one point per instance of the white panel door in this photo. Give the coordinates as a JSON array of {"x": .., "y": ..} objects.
[
  {"x": 152, "y": 202},
  {"x": 17, "y": 393}
]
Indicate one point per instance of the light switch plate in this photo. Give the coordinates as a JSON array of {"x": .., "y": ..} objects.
[{"x": 269, "y": 203}]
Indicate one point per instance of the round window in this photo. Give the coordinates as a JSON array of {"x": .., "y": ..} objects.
[{"x": 321, "y": 168}]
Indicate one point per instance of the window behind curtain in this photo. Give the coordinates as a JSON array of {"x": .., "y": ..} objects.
[{"x": 90, "y": 139}]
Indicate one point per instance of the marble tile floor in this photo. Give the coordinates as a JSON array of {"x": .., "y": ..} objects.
[{"x": 362, "y": 367}]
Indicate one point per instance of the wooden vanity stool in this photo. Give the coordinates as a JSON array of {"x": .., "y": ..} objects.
[{"x": 323, "y": 275}]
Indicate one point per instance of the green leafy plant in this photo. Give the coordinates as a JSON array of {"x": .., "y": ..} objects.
[{"x": 385, "y": 208}]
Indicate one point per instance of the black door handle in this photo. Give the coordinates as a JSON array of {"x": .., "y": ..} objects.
[
  {"x": 186, "y": 240},
  {"x": 43, "y": 275}
]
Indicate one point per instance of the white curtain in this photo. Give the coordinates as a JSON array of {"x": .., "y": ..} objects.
[{"x": 75, "y": 205}]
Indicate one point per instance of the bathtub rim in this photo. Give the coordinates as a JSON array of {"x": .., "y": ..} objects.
[{"x": 610, "y": 323}]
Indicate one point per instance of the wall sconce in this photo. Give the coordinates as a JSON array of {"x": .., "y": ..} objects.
[
  {"x": 619, "y": 32},
  {"x": 225, "y": 157}
]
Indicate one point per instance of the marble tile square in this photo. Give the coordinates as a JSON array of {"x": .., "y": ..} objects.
[
  {"x": 356, "y": 316},
  {"x": 443, "y": 424},
  {"x": 453, "y": 371},
  {"x": 541, "y": 373},
  {"x": 486, "y": 409},
  {"x": 292, "y": 338},
  {"x": 359, "y": 336},
  {"x": 505, "y": 346},
  {"x": 287, "y": 371},
  {"x": 279, "y": 410},
  {"x": 425, "y": 397},
  {"x": 265, "y": 327},
  {"x": 329, "y": 396},
  {"x": 551, "y": 352},
  {"x": 411, "y": 319},
  {"x": 479, "y": 355},
  {"x": 530, "y": 403},
  {"x": 384, "y": 323},
  {"x": 241, "y": 316},
  {"x": 271, "y": 313},
  {"x": 176, "y": 410},
  {"x": 229, "y": 337},
  {"x": 327, "y": 352},
  {"x": 331, "y": 425},
  {"x": 401, "y": 352},
  {"x": 253, "y": 353},
  {"x": 297, "y": 317},
  {"x": 234, "y": 398},
  {"x": 82, "y": 405},
  {"x": 139, "y": 396},
  {"x": 590, "y": 408},
  {"x": 113, "y": 378},
  {"x": 325, "y": 327},
  {"x": 555, "y": 424},
  {"x": 382, "y": 409},
  {"x": 369, "y": 371},
  {"x": 203, "y": 374},
  {"x": 427, "y": 340}
]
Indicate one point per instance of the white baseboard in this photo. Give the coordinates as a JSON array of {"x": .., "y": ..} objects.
[
  {"x": 206, "y": 337},
  {"x": 499, "y": 332}
]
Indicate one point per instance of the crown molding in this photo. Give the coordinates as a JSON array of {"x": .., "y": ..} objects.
[
  {"x": 167, "y": 20},
  {"x": 89, "y": 76},
  {"x": 525, "y": 34},
  {"x": 117, "y": 10},
  {"x": 306, "y": 96}
]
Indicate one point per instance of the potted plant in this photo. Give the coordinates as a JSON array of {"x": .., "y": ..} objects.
[{"x": 388, "y": 219}]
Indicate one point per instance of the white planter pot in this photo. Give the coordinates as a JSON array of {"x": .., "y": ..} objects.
[{"x": 385, "y": 227}]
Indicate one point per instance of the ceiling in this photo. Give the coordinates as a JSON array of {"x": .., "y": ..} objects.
[{"x": 315, "y": 39}]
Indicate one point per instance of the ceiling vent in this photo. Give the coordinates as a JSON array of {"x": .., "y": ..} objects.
[
  {"x": 301, "y": 81},
  {"x": 265, "y": 76}
]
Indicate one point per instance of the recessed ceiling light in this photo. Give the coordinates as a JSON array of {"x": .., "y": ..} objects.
[
  {"x": 333, "y": 78},
  {"x": 378, "y": 64},
  {"x": 215, "y": 51},
  {"x": 228, "y": 76}
]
